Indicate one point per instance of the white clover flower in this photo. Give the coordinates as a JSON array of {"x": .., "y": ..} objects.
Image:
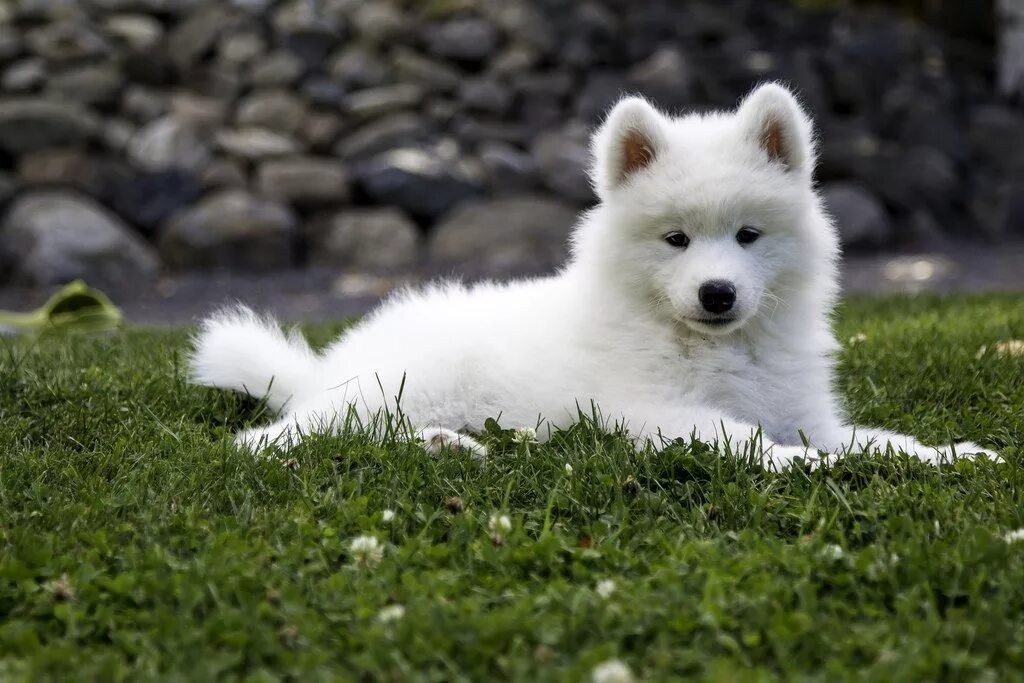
[
  {"x": 605, "y": 588},
  {"x": 833, "y": 552},
  {"x": 499, "y": 524},
  {"x": 366, "y": 551},
  {"x": 612, "y": 671},
  {"x": 387, "y": 516},
  {"x": 568, "y": 470},
  {"x": 1014, "y": 536},
  {"x": 390, "y": 614},
  {"x": 858, "y": 338},
  {"x": 525, "y": 435}
]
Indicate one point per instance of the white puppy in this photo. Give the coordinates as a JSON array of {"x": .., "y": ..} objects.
[{"x": 696, "y": 303}]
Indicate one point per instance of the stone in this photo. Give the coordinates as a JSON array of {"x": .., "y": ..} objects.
[
  {"x": 485, "y": 95},
  {"x": 10, "y": 42},
  {"x": 276, "y": 110},
  {"x": 25, "y": 75},
  {"x": 432, "y": 75},
  {"x": 93, "y": 84},
  {"x": 562, "y": 158},
  {"x": 191, "y": 39},
  {"x": 601, "y": 90},
  {"x": 997, "y": 137},
  {"x": 143, "y": 104},
  {"x": 356, "y": 66},
  {"x": 525, "y": 233},
  {"x": 197, "y": 110},
  {"x": 507, "y": 168},
  {"x": 665, "y": 78},
  {"x": 861, "y": 219},
  {"x": 425, "y": 182},
  {"x": 148, "y": 199},
  {"x": 28, "y": 124},
  {"x": 230, "y": 229},
  {"x": 322, "y": 91},
  {"x": 168, "y": 143},
  {"x": 69, "y": 167},
  {"x": 303, "y": 181},
  {"x": 469, "y": 39},
  {"x": 277, "y": 69},
  {"x": 67, "y": 41},
  {"x": 320, "y": 129},
  {"x": 367, "y": 239},
  {"x": 383, "y": 134},
  {"x": 374, "y": 102},
  {"x": 380, "y": 22},
  {"x": 223, "y": 172},
  {"x": 134, "y": 32},
  {"x": 241, "y": 48},
  {"x": 53, "y": 236},
  {"x": 255, "y": 143}
]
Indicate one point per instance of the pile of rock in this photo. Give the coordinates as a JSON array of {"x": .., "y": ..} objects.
[{"x": 137, "y": 135}]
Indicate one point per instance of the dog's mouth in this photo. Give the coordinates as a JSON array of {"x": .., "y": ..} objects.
[{"x": 714, "y": 322}]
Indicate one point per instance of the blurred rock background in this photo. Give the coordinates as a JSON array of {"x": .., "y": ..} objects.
[{"x": 140, "y": 139}]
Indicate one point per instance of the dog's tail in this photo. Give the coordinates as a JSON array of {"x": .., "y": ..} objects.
[{"x": 238, "y": 350}]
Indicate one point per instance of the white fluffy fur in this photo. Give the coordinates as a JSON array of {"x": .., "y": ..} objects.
[{"x": 619, "y": 327}]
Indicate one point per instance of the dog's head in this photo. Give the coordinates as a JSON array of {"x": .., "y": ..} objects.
[{"x": 712, "y": 218}]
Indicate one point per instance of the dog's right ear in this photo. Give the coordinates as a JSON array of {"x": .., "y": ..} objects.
[{"x": 631, "y": 139}]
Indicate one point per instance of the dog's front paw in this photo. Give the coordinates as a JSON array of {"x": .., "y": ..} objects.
[{"x": 968, "y": 450}]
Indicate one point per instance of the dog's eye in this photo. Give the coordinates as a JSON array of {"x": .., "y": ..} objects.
[
  {"x": 747, "y": 235},
  {"x": 678, "y": 239}
]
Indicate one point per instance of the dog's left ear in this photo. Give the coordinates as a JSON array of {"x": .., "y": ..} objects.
[{"x": 773, "y": 119}]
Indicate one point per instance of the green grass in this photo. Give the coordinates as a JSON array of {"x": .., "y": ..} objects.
[{"x": 136, "y": 544}]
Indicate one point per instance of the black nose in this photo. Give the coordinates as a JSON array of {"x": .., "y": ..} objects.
[{"x": 717, "y": 296}]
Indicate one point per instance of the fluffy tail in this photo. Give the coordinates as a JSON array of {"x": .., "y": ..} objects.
[{"x": 238, "y": 350}]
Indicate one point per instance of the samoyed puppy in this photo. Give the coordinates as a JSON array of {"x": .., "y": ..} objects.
[{"x": 696, "y": 304}]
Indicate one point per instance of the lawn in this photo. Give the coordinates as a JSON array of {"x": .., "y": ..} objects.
[{"x": 135, "y": 543}]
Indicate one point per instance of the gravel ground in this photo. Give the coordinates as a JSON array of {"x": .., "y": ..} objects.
[{"x": 319, "y": 294}]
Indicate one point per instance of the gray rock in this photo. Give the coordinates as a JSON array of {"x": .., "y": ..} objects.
[
  {"x": 56, "y": 235},
  {"x": 276, "y": 110},
  {"x": 562, "y": 158},
  {"x": 381, "y": 135},
  {"x": 303, "y": 181},
  {"x": 514, "y": 234},
  {"x": 468, "y": 39},
  {"x": 472, "y": 131},
  {"x": 433, "y": 76},
  {"x": 201, "y": 111},
  {"x": 514, "y": 59},
  {"x": 997, "y": 137},
  {"x": 135, "y": 32},
  {"x": 67, "y": 41},
  {"x": 860, "y": 217},
  {"x": 322, "y": 91},
  {"x": 148, "y": 199},
  {"x": 356, "y": 66},
  {"x": 10, "y": 42},
  {"x": 255, "y": 143},
  {"x": 197, "y": 34},
  {"x": 29, "y": 124},
  {"x": 321, "y": 129},
  {"x": 425, "y": 182},
  {"x": 92, "y": 84},
  {"x": 25, "y": 75},
  {"x": 486, "y": 95},
  {"x": 230, "y": 229},
  {"x": 367, "y": 239},
  {"x": 241, "y": 48},
  {"x": 278, "y": 69},
  {"x": 665, "y": 78},
  {"x": 142, "y": 104},
  {"x": 507, "y": 168},
  {"x": 8, "y": 188},
  {"x": 601, "y": 91},
  {"x": 374, "y": 102},
  {"x": 223, "y": 172},
  {"x": 168, "y": 143},
  {"x": 380, "y": 22}
]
